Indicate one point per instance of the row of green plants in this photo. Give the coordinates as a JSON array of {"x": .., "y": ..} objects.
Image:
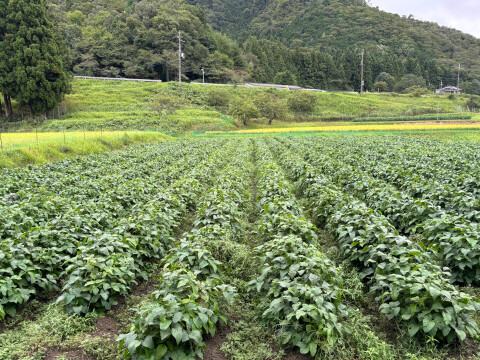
[
  {"x": 107, "y": 268},
  {"x": 453, "y": 163},
  {"x": 41, "y": 225},
  {"x": 409, "y": 285},
  {"x": 395, "y": 170},
  {"x": 301, "y": 287},
  {"x": 430, "y": 117},
  {"x": 192, "y": 296},
  {"x": 452, "y": 239},
  {"x": 45, "y": 225}
]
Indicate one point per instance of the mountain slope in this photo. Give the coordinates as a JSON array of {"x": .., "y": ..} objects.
[{"x": 339, "y": 24}]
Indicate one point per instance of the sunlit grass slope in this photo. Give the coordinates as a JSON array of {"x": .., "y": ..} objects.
[{"x": 20, "y": 149}]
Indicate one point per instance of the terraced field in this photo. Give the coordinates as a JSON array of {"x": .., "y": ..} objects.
[{"x": 267, "y": 248}]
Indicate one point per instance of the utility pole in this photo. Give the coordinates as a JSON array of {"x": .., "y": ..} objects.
[
  {"x": 203, "y": 76},
  {"x": 438, "y": 110},
  {"x": 458, "y": 81},
  {"x": 166, "y": 67},
  {"x": 180, "y": 59},
  {"x": 361, "y": 77}
]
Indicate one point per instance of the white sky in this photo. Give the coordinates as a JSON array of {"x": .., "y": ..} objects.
[{"x": 463, "y": 15}]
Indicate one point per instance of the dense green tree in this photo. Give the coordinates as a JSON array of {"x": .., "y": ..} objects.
[
  {"x": 37, "y": 79},
  {"x": 271, "y": 107},
  {"x": 408, "y": 81},
  {"x": 302, "y": 101},
  {"x": 311, "y": 43},
  {"x": 139, "y": 39},
  {"x": 380, "y": 86},
  {"x": 243, "y": 109},
  {"x": 6, "y": 80},
  {"x": 386, "y": 78},
  {"x": 471, "y": 87},
  {"x": 285, "y": 78}
]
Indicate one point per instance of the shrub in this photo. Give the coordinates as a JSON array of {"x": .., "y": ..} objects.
[
  {"x": 408, "y": 81},
  {"x": 417, "y": 91},
  {"x": 380, "y": 86},
  {"x": 271, "y": 107},
  {"x": 301, "y": 101},
  {"x": 243, "y": 109},
  {"x": 218, "y": 98},
  {"x": 165, "y": 104},
  {"x": 473, "y": 102}
]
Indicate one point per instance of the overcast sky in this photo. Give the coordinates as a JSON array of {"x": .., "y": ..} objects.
[{"x": 463, "y": 15}]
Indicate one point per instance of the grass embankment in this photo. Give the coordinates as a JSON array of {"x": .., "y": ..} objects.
[
  {"x": 21, "y": 149},
  {"x": 115, "y": 105}
]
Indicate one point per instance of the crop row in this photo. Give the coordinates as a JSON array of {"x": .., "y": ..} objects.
[
  {"x": 302, "y": 287},
  {"x": 35, "y": 253},
  {"x": 191, "y": 296},
  {"x": 453, "y": 199},
  {"x": 417, "y": 118},
  {"x": 57, "y": 189},
  {"x": 453, "y": 164},
  {"x": 450, "y": 238},
  {"x": 401, "y": 167},
  {"x": 406, "y": 280}
]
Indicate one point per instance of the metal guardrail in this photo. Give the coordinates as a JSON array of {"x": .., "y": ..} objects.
[
  {"x": 117, "y": 79},
  {"x": 277, "y": 86}
]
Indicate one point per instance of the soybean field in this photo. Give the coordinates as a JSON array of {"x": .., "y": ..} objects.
[{"x": 341, "y": 247}]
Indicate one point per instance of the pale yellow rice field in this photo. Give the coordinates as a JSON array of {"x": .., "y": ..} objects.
[
  {"x": 382, "y": 127},
  {"x": 22, "y": 140}
]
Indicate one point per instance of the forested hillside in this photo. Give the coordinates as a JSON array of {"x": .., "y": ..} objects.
[
  {"x": 140, "y": 39},
  {"x": 302, "y": 42},
  {"x": 399, "y": 45}
]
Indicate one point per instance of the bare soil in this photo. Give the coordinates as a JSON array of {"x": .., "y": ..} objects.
[
  {"x": 297, "y": 356},
  {"x": 214, "y": 343},
  {"x": 107, "y": 326},
  {"x": 469, "y": 350},
  {"x": 73, "y": 354}
]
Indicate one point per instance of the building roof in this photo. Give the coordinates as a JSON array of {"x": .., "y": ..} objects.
[{"x": 450, "y": 88}]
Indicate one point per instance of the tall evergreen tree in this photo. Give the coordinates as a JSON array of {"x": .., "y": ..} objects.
[
  {"x": 5, "y": 68},
  {"x": 38, "y": 80}
]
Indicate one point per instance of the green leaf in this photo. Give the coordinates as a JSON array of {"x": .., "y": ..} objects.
[
  {"x": 132, "y": 346},
  {"x": 461, "y": 334},
  {"x": 177, "y": 333},
  {"x": 413, "y": 329},
  {"x": 428, "y": 324},
  {"x": 148, "y": 342},
  {"x": 161, "y": 350},
  {"x": 166, "y": 324}
]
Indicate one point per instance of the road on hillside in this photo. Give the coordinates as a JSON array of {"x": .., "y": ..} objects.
[{"x": 285, "y": 87}]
